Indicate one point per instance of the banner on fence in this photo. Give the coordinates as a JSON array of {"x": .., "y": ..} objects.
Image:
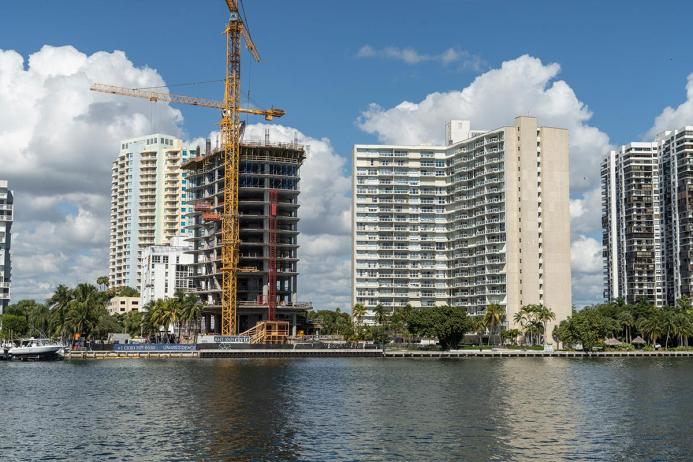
[
  {"x": 223, "y": 339},
  {"x": 152, "y": 347}
]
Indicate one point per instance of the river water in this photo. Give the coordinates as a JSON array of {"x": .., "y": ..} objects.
[{"x": 348, "y": 409}]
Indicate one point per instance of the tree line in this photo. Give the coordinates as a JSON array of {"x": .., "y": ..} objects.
[
  {"x": 448, "y": 324},
  {"x": 672, "y": 326},
  {"x": 80, "y": 312}
]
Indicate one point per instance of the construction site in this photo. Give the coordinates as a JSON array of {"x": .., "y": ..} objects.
[
  {"x": 243, "y": 224},
  {"x": 268, "y": 227}
]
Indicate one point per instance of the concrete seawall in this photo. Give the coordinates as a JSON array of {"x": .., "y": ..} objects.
[{"x": 533, "y": 354}]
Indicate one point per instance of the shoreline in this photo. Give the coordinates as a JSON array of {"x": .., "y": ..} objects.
[{"x": 367, "y": 353}]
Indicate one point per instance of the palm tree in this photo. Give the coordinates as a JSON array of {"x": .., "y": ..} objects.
[
  {"x": 522, "y": 318},
  {"x": 59, "y": 303},
  {"x": 379, "y": 311},
  {"x": 627, "y": 321},
  {"x": 652, "y": 327},
  {"x": 494, "y": 317},
  {"x": 543, "y": 315},
  {"x": 478, "y": 325},
  {"x": 681, "y": 326},
  {"x": 191, "y": 312},
  {"x": 85, "y": 309},
  {"x": 161, "y": 314},
  {"x": 102, "y": 282},
  {"x": 358, "y": 312}
]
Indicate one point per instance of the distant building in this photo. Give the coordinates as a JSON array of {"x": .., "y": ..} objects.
[
  {"x": 647, "y": 219},
  {"x": 148, "y": 202},
  {"x": 6, "y": 206},
  {"x": 482, "y": 219},
  {"x": 631, "y": 218},
  {"x": 166, "y": 269},
  {"x": 121, "y": 305}
]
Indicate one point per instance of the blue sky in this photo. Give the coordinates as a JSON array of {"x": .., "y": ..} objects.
[
  {"x": 619, "y": 65},
  {"x": 625, "y": 60}
]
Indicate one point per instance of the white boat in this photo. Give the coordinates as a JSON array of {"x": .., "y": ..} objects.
[{"x": 37, "y": 348}]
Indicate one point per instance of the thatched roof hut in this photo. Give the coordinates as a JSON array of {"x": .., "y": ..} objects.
[{"x": 638, "y": 341}]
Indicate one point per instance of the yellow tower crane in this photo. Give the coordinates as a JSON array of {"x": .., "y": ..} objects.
[{"x": 230, "y": 128}]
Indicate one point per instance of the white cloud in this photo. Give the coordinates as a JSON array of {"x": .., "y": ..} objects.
[
  {"x": 522, "y": 86},
  {"x": 57, "y": 142},
  {"x": 672, "y": 118},
  {"x": 586, "y": 255},
  {"x": 408, "y": 55}
]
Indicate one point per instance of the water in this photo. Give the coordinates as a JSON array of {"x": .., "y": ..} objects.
[{"x": 348, "y": 409}]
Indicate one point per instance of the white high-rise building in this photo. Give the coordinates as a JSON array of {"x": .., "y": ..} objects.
[
  {"x": 483, "y": 219},
  {"x": 148, "y": 202},
  {"x": 647, "y": 219},
  {"x": 6, "y": 205},
  {"x": 165, "y": 270},
  {"x": 631, "y": 224}
]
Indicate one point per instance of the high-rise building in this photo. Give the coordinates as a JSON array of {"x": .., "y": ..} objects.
[
  {"x": 484, "y": 219},
  {"x": 166, "y": 269},
  {"x": 631, "y": 223},
  {"x": 6, "y": 205},
  {"x": 268, "y": 206},
  {"x": 676, "y": 226},
  {"x": 647, "y": 219},
  {"x": 148, "y": 202}
]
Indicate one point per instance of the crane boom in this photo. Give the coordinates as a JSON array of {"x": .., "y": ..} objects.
[{"x": 156, "y": 96}]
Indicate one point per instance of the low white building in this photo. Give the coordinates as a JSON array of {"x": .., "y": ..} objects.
[{"x": 165, "y": 270}]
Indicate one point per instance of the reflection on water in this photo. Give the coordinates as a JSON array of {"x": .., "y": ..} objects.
[{"x": 348, "y": 409}]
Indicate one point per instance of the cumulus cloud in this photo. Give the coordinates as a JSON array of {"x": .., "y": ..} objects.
[
  {"x": 57, "y": 142},
  {"x": 522, "y": 86},
  {"x": 463, "y": 58},
  {"x": 672, "y": 118},
  {"x": 586, "y": 255}
]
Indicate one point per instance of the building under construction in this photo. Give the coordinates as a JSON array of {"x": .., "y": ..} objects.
[{"x": 268, "y": 210}]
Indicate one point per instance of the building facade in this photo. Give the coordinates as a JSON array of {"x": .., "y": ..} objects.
[
  {"x": 268, "y": 207},
  {"x": 647, "y": 219},
  {"x": 122, "y": 305},
  {"x": 484, "y": 219},
  {"x": 166, "y": 269},
  {"x": 631, "y": 224},
  {"x": 148, "y": 202},
  {"x": 6, "y": 218}
]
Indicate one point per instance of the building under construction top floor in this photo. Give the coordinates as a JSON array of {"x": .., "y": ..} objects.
[{"x": 268, "y": 208}]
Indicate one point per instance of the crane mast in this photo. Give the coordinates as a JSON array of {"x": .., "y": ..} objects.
[
  {"x": 230, "y": 144},
  {"x": 231, "y": 131}
]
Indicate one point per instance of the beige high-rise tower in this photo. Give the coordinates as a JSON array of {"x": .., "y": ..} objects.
[{"x": 482, "y": 220}]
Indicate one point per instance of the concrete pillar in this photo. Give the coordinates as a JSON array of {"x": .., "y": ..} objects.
[{"x": 293, "y": 324}]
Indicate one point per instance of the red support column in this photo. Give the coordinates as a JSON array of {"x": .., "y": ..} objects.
[{"x": 272, "y": 289}]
